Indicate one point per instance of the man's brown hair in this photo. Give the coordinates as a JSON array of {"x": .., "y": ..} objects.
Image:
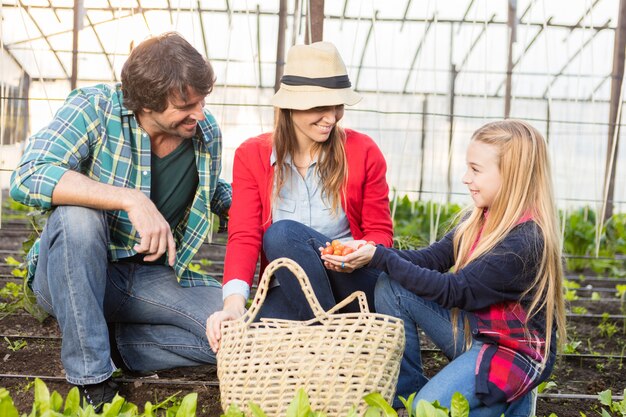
[{"x": 160, "y": 66}]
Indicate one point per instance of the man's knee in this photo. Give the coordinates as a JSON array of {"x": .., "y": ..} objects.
[{"x": 82, "y": 223}]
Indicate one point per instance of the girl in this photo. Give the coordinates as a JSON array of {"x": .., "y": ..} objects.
[
  {"x": 306, "y": 183},
  {"x": 496, "y": 316}
]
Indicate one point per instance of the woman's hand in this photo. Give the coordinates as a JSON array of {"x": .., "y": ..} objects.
[
  {"x": 348, "y": 263},
  {"x": 234, "y": 307}
]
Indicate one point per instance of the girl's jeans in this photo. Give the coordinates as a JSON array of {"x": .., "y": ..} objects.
[
  {"x": 158, "y": 324},
  {"x": 285, "y": 299},
  {"x": 458, "y": 375}
]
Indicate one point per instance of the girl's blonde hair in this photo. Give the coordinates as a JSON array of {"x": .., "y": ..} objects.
[
  {"x": 526, "y": 189},
  {"x": 331, "y": 162}
]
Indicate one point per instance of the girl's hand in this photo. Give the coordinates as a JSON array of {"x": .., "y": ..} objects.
[
  {"x": 351, "y": 261},
  {"x": 234, "y": 308}
]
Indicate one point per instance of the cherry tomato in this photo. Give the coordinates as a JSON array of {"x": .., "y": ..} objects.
[
  {"x": 335, "y": 243},
  {"x": 328, "y": 250},
  {"x": 347, "y": 250},
  {"x": 337, "y": 252}
]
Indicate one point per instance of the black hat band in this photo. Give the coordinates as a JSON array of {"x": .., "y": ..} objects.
[{"x": 336, "y": 82}]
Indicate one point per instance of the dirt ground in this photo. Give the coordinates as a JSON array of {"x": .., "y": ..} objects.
[
  {"x": 598, "y": 367},
  {"x": 41, "y": 357}
]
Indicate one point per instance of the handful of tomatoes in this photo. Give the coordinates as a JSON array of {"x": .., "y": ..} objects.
[{"x": 339, "y": 249}]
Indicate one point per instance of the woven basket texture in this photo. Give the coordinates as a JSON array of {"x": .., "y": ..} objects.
[{"x": 337, "y": 358}]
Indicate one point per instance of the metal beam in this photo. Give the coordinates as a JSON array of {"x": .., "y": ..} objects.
[
  {"x": 519, "y": 58},
  {"x": 453, "y": 76},
  {"x": 367, "y": 40},
  {"x": 258, "y": 43},
  {"x": 581, "y": 19},
  {"x": 169, "y": 9},
  {"x": 512, "y": 14},
  {"x": 143, "y": 15},
  {"x": 569, "y": 61},
  {"x": 65, "y": 32},
  {"x": 13, "y": 58},
  {"x": 406, "y": 12},
  {"x": 78, "y": 26},
  {"x": 343, "y": 13},
  {"x": 230, "y": 13},
  {"x": 56, "y": 14},
  {"x": 106, "y": 54},
  {"x": 327, "y": 17},
  {"x": 423, "y": 144},
  {"x": 45, "y": 38},
  {"x": 203, "y": 32},
  {"x": 617, "y": 78},
  {"x": 467, "y": 10},
  {"x": 600, "y": 84},
  {"x": 415, "y": 55},
  {"x": 297, "y": 18},
  {"x": 459, "y": 67}
]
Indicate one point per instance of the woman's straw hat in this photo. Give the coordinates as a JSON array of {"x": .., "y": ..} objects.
[{"x": 314, "y": 76}]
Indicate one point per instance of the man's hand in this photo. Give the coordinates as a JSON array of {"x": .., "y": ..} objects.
[
  {"x": 75, "y": 189},
  {"x": 154, "y": 231},
  {"x": 234, "y": 308}
]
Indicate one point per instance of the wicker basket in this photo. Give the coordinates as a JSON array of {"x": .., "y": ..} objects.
[{"x": 336, "y": 358}]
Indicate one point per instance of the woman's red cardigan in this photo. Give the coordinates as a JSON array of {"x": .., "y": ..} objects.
[{"x": 366, "y": 201}]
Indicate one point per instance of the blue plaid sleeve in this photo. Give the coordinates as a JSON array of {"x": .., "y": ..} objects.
[
  {"x": 57, "y": 148},
  {"x": 223, "y": 196}
]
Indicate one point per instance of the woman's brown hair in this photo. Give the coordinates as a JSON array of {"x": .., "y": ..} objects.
[{"x": 331, "y": 161}]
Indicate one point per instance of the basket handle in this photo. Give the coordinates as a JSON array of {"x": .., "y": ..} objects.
[{"x": 299, "y": 273}]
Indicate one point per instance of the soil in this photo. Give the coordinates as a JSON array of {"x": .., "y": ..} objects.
[{"x": 599, "y": 365}]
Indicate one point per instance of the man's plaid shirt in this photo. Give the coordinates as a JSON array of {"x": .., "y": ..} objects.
[{"x": 93, "y": 133}]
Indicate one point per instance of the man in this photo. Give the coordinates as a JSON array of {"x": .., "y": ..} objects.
[{"x": 131, "y": 173}]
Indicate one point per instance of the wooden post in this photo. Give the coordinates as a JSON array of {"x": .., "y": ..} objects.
[
  {"x": 315, "y": 22},
  {"x": 617, "y": 78},
  {"x": 280, "y": 45}
]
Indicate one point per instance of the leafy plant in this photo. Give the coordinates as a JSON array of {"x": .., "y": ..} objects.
[
  {"x": 570, "y": 295},
  {"x": 571, "y": 347},
  {"x": 423, "y": 221},
  {"x": 545, "y": 386},
  {"x": 606, "y": 327},
  {"x": 52, "y": 405},
  {"x": 579, "y": 310},
  {"x": 15, "y": 345},
  {"x": 619, "y": 408}
]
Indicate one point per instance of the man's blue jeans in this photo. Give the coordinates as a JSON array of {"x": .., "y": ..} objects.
[
  {"x": 285, "y": 299},
  {"x": 458, "y": 375},
  {"x": 158, "y": 323}
]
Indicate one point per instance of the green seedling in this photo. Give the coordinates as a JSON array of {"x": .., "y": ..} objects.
[{"x": 16, "y": 345}]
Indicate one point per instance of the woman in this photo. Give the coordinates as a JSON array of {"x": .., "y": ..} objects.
[{"x": 306, "y": 183}]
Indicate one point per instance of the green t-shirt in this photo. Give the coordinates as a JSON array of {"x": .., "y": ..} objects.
[
  {"x": 174, "y": 182},
  {"x": 173, "y": 186}
]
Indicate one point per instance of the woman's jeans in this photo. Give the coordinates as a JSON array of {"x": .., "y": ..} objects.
[
  {"x": 458, "y": 375},
  {"x": 158, "y": 324},
  {"x": 285, "y": 299}
]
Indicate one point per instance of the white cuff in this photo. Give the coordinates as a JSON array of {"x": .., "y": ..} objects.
[{"x": 236, "y": 286}]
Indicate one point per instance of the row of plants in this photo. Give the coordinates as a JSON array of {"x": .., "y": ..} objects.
[
  {"x": 591, "y": 245},
  {"x": 53, "y": 405}
]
